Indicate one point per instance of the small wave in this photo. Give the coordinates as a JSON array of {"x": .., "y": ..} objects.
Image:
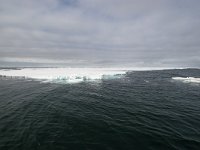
[
  {"x": 64, "y": 75},
  {"x": 187, "y": 79}
]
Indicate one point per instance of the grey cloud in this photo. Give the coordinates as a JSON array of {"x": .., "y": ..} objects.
[{"x": 100, "y": 33}]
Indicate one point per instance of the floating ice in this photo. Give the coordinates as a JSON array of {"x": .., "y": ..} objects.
[
  {"x": 187, "y": 79},
  {"x": 64, "y": 75}
]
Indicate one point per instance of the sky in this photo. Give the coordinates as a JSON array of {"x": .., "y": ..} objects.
[{"x": 100, "y": 33}]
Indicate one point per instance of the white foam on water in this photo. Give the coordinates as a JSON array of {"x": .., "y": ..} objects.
[
  {"x": 65, "y": 75},
  {"x": 187, "y": 79}
]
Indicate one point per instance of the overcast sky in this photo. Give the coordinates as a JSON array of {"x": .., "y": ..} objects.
[{"x": 101, "y": 33}]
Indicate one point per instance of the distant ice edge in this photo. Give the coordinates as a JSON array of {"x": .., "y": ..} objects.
[
  {"x": 65, "y": 75},
  {"x": 187, "y": 79}
]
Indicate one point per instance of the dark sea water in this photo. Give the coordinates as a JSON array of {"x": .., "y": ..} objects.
[{"x": 145, "y": 110}]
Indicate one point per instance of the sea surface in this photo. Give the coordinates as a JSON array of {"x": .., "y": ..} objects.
[{"x": 143, "y": 110}]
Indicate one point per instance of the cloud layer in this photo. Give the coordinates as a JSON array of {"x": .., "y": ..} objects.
[{"x": 128, "y": 33}]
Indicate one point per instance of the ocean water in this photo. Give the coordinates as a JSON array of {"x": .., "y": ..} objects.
[{"x": 150, "y": 110}]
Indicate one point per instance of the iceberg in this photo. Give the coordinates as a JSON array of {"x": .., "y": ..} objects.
[
  {"x": 66, "y": 75},
  {"x": 187, "y": 79}
]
